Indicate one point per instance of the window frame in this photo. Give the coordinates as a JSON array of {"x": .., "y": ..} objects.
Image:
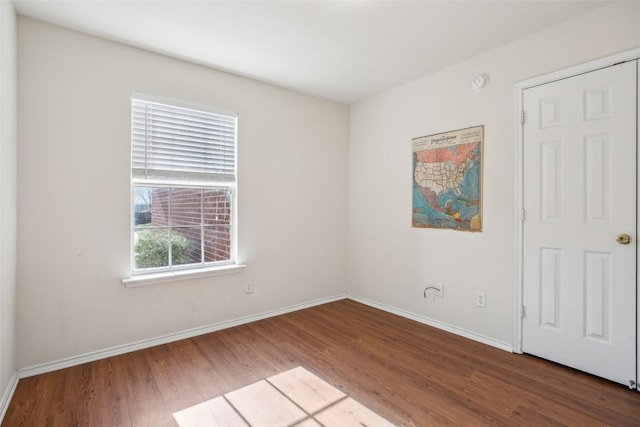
[{"x": 150, "y": 275}]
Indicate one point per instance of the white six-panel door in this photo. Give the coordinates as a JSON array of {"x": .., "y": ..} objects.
[{"x": 579, "y": 193}]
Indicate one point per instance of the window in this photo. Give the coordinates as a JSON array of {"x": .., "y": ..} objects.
[{"x": 183, "y": 169}]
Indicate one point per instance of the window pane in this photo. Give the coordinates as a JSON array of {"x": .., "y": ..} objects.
[
  {"x": 160, "y": 207},
  {"x": 151, "y": 248},
  {"x": 187, "y": 245},
  {"x": 217, "y": 207},
  {"x": 198, "y": 220},
  {"x": 142, "y": 205},
  {"x": 186, "y": 206},
  {"x": 217, "y": 243}
]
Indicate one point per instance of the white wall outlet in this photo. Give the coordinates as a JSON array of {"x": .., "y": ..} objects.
[
  {"x": 481, "y": 299},
  {"x": 248, "y": 288}
]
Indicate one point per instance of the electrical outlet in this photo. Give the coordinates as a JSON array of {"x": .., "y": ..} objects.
[
  {"x": 248, "y": 288},
  {"x": 481, "y": 299}
]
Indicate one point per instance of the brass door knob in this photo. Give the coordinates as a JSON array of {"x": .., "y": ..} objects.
[{"x": 624, "y": 239}]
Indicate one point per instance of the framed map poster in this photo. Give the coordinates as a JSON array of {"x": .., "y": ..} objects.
[{"x": 447, "y": 180}]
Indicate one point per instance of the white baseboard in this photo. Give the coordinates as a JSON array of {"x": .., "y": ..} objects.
[
  {"x": 436, "y": 324},
  {"x": 190, "y": 333},
  {"x": 165, "y": 339},
  {"x": 8, "y": 395}
]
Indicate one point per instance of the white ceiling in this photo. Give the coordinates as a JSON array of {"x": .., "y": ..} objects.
[{"x": 339, "y": 50}]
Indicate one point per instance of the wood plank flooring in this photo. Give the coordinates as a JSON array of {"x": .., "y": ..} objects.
[
  {"x": 294, "y": 398},
  {"x": 408, "y": 373}
]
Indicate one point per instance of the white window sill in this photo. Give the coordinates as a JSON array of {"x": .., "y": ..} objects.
[{"x": 172, "y": 276}]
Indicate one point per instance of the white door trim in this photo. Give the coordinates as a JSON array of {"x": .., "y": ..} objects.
[{"x": 519, "y": 89}]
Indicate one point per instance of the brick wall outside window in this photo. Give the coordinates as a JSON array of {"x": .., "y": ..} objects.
[{"x": 196, "y": 214}]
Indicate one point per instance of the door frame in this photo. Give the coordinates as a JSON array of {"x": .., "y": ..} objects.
[{"x": 519, "y": 89}]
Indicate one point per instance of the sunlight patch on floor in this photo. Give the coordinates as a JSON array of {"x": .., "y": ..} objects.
[{"x": 292, "y": 398}]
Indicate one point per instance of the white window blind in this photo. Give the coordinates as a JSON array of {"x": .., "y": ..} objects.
[{"x": 171, "y": 142}]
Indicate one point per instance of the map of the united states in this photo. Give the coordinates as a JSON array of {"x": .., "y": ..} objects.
[
  {"x": 443, "y": 169},
  {"x": 446, "y": 182}
]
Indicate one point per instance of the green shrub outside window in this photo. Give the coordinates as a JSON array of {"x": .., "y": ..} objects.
[{"x": 152, "y": 249}]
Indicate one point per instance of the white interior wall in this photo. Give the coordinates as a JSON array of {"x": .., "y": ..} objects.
[
  {"x": 389, "y": 262},
  {"x": 8, "y": 168},
  {"x": 74, "y": 196}
]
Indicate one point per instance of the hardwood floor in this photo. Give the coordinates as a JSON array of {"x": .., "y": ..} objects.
[{"x": 408, "y": 373}]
